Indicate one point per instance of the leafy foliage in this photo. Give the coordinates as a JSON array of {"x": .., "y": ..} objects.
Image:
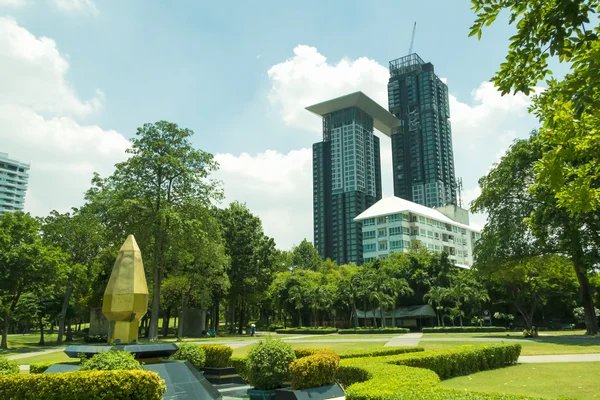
[
  {"x": 192, "y": 353},
  {"x": 217, "y": 355},
  {"x": 569, "y": 108},
  {"x": 314, "y": 371},
  {"x": 241, "y": 366},
  {"x": 384, "y": 351},
  {"x": 268, "y": 364},
  {"x": 111, "y": 360},
  {"x": 464, "y": 329},
  {"x": 100, "y": 385},
  {"x": 308, "y": 331},
  {"x": 371, "y": 331},
  {"x": 8, "y": 366}
]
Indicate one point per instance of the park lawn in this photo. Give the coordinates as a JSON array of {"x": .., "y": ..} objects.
[
  {"x": 336, "y": 336},
  {"x": 57, "y": 356},
  {"x": 572, "y": 380},
  {"x": 243, "y": 351},
  {"x": 31, "y": 340},
  {"x": 515, "y": 335},
  {"x": 528, "y": 348}
]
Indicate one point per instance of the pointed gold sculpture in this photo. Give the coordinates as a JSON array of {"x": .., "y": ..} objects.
[{"x": 126, "y": 295}]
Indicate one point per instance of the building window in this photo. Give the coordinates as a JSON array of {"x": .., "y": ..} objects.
[
  {"x": 395, "y": 244},
  {"x": 369, "y": 222},
  {"x": 430, "y": 234},
  {"x": 369, "y": 247},
  {"x": 421, "y": 220},
  {"x": 395, "y": 230},
  {"x": 395, "y": 218},
  {"x": 422, "y": 232},
  {"x": 381, "y": 232},
  {"x": 381, "y": 220},
  {"x": 383, "y": 246},
  {"x": 369, "y": 235}
]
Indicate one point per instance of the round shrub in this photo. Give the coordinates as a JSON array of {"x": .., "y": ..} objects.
[
  {"x": 268, "y": 364},
  {"x": 190, "y": 352},
  {"x": 8, "y": 366},
  {"x": 314, "y": 371},
  {"x": 217, "y": 355},
  {"x": 110, "y": 361}
]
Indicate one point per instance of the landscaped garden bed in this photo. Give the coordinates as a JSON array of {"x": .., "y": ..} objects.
[{"x": 370, "y": 331}]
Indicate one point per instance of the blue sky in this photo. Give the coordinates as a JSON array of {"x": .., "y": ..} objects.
[{"x": 211, "y": 67}]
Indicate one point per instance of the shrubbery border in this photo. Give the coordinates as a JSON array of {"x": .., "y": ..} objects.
[{"x": 465, "y": 329}]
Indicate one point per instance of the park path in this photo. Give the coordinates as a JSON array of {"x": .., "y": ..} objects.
[
  {"x": 407, "y": 339},
  {"x": 559, "y": 358},
  {"x": 34, "y": 353}
]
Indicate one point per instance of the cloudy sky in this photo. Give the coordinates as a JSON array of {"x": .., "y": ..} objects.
[{"x": 78, "y": 76}]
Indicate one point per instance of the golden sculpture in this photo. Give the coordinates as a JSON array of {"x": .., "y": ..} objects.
[{"x": 126, "y": 296}]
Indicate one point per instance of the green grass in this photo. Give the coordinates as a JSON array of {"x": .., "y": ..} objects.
[
  {"x": 575, "y": 334},
  {"x": 50, "y": 357},
  {"x": 573, "y": 380},
  {"x": 529, "y": 348},
  {"x": 243, "y": 351},
  {"x": 336, "y": 336}
]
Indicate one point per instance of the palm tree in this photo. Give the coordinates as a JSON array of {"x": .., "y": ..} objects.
[
  {"x": 434, "y": 298},
  {"x": 459, "y": 291}
]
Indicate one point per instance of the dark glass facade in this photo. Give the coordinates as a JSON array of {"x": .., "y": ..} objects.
[
  {"x": 346, "y": 181},
  {"x": 422, "y": 157}
]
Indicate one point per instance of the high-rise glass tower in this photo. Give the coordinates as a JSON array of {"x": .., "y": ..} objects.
[
  {"x": 422, "y": 156},
  {"x": 13, "y": 184},
  {"x": 346, "y": 172}
]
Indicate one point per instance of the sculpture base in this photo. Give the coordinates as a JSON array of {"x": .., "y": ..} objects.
[
  {"x": 124, "y": 332},
  {"x": 141, "y": 351}
]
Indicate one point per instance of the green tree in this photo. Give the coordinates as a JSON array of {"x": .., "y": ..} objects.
[
  {"x": 78, "y": 235},
  {"x": 306, "y": 256},
  {"x": 253, "y": 259},
  {"x": 435, "y": 297},
  {"x": 524, "y": 221},
  {"x": 26, "y": 263},
  {"x": 570, "y": 107},
  {"x": 149, "y": 191}
]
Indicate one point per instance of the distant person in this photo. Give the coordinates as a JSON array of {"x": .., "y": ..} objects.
[{"x": 252, "y": 330}]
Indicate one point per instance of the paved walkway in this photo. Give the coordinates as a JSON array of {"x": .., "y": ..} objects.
[
  {"x": 34, "y": 353},
  {"x": 407, "y": 339},
  {"x": 562, "y": 358}
]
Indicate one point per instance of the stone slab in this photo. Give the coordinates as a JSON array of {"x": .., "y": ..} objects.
[
  {"x": 323, "y": 392},
  {"x": 183, "y": 381},
  {"x": 141, "y": 351}
]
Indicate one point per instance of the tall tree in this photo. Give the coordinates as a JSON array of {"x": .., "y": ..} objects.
[
  {"x": 524, "y": 220},
  {"x": 253, "y": 259},
  {"x": 79, "y": 235},
  {"x": 150, "y": 190},
  {"x": 570, "y": 107},
  {"x": 25, "y": 262},
  {"x": 306, "y": 256}
]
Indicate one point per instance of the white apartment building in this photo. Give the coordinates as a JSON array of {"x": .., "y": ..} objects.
[
  {"x": 392, "y": 224},
  {"x": 13, "y": 184}
]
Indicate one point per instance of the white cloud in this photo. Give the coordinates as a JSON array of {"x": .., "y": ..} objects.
[
  {"x": 307, "y": 79},
  {"x": 12, "y": 3},
  {"x": 277, "y": 187},
  {"x": 37, "y": 125},
  {"x": 80, "y": 6},
  {"x": 37, "y": 72}
]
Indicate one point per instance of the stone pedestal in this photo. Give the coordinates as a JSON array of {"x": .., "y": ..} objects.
[
  {"x": 98, "y": 322},
  {"x": 194, "y": 322}
]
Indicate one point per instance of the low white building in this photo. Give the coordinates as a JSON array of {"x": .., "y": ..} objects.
[{"x": 392, "y": 224}]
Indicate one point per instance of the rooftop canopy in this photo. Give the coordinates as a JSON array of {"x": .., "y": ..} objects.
[{"x": 382, "y": 119}]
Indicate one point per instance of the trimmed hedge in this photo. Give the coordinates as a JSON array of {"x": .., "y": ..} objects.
[
  {"x": 190, "y": 352},
  {"x": 98, "y": 385},
  {"x": 217, "y": 355},
  {"x": 383, "y": 378},
  {"x": 307, "y": 351},
  {"x": 462, "y": 360},
  {"x": 307, "y": 331},
  {"x": 241, "y": 366},
  {"x": 38, "y": 368},
  {"x": 372, "y": 331},
  {"x": 314, "y": 371},
  {"x": 464, "y": 329},
  {"x": 8, "y": 367},
  {"x": 110, "y": 361},
  {"x": 379, "y": 352},
  {"x": 269, "y": 364}
]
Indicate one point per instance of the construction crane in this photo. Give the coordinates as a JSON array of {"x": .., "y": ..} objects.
[{"x": 412, "y": 39}]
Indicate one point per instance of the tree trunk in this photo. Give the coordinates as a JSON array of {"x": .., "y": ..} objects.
[
  {"x": 216, "y": 316},
  {"x": 591, "y": 321},
  {"x": 374, "y": 318},
  {"x": 42, "y": 342},
  {"x": 69, "y": 332},
  {"x": 242, "y": 312},
  {"x": 63, "y": 312},
  {"x": 355, "y": 316},
  {"x": 4, "y": 343},
  {"x": 166, "y": 321},
  {"x": 299, "y": 318},
  {"x": 232, "y": 314},
  {"x": 382, "y": 315},
  {"x": 394, "y": 316}
]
